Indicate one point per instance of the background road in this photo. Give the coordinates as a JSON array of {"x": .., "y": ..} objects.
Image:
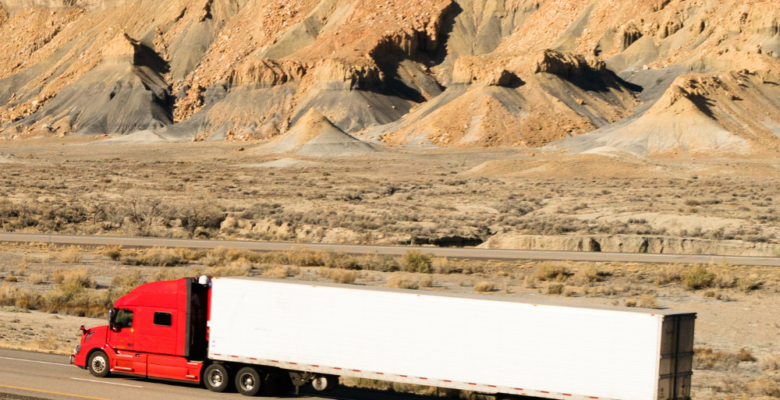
[
  {"x": 471, "y": 253},
  {"x": 27, "y": 375}
]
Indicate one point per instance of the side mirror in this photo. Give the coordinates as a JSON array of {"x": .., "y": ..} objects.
[{"x": 83, "y": 330}]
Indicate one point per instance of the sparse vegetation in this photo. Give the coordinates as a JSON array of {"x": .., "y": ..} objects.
[{"x": 485, "y": 287}]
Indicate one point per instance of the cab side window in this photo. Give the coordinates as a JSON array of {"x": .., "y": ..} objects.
[
  {"x": 163, "y": 319},
  {"x": 124, "y": 319}
]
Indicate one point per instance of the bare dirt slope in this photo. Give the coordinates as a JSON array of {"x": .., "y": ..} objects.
[{"x": 659, "y": 77}]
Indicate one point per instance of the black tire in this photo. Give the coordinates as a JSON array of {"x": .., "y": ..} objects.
[
  {"x": 216, "y": 378},
  {"x": 278, "y": 383},
  {"x": 98, "y": 364},
  {"x": 248, "y": 381}
]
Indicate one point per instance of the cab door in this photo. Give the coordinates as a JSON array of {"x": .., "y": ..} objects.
[{"x": 122, "y": 340}]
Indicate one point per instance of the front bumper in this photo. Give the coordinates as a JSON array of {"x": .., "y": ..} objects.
[{"x": 72, "y": 359}]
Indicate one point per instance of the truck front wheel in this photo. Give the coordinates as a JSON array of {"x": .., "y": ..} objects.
[
  {"x": 98, "y": 364},
  {"x": 248, "y": 381},
  {"x": 216, "y": 377}
]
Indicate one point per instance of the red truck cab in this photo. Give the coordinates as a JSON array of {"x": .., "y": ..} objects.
[{"x": 159, "y": 330}]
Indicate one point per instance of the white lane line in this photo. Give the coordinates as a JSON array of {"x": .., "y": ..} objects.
[
  {"x": 106, "y": 383},
  {"x": 37, "y": 362}
]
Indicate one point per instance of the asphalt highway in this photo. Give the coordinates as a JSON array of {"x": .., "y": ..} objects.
[
  {"x": 27, "y": 375},
  {"x": 464, "y": 253}
]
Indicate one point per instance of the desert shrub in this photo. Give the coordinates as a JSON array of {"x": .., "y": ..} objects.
[
  {"x": 31, "y": 259},
  {"x": 417, "y": 261},
  {"x": 382, "y": 263},
  {"x": 749, "y": 284},
  {"x": 28, "y": 299},
  {"x": 237, "y": 268},
  {"x": 668, "y": 274},
  {"x": 529, "y": 282},
  {"x": 402, "y": 281},
  {"x": 765, "y": 386},
  {"x": 485, "y": 287},
  {"x": 708, "y": 359},
  {"x": 333, "y": 259},
  {"x": 124, "y": 283},
  {"x": 698, "y": 277},
  {"x": 555, "y": 288},
  {"x": 551, "y": 272},
  {"x": 426, "y": 281},
  {"x": 11, "y": 279},
  {"x": 589, "y": 275},
  {"x": 303, "y": 257},
  {"x": 159, "y": 257},
  {"x": 113, "y": 252},
  {"x": 277, "y": 272},
  {"x": 631, "y": 303},
  {"x": 770, "y": 363},
  {"x": 73, "y": 278},
  {"x": 744, "y": 355},
  {"x": 648, "y": 301},
  {"x": 70, "y": 255},
  {"x": 341, "y": 276},
  {"x": 36, "y": 279}
]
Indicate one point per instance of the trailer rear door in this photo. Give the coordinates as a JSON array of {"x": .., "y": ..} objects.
[{"x": 676, "y": 368}]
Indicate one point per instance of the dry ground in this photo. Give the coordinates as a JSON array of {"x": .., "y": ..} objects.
[
  {"x": 48, "y": 291},
  {"x": 443, "y": 197}
]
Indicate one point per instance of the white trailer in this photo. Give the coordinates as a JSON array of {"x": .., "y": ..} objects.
[{"x": 485, "y": 344}]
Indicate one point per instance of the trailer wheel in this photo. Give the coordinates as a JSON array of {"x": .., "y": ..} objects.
[
  {"x": 98, "y": 364},
  {"x": 216, "y": 377},
  {"x": 325, "y": 383},
  {"x": 277, "y": 383},
  {"x": 248, "y": 381}
]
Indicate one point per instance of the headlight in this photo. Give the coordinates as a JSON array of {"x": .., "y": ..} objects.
[{"x": 78, "y": 348}]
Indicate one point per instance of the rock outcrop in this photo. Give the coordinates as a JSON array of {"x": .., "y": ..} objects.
[{"x": 631, "y": 244}]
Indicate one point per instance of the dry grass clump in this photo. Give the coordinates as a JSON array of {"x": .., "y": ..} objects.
[
  {"x": 668, "y": 274},
  {"x": 11, "y": 279},
  {"x": 648, "y": 301},
  {"x": 426, "y": 281},
  {"x": 69, "y": 255},
  {"x": 160, "y": 257},
  {"x": 698, "y": 277},
  {"x": 744, "y": 355},
  {"x": 341, "y": 276},
  {"x": 555, "y": 288},
  {"x": 124, "y": 283},
  {"x": 402, "y": 281},
  {"x": 551, "y": 272},
  {"x": 417, "y": 261},
  {"x": 112, "y": 252},
  {"x": 765, "y": 386},
  {"x": 485, "y": 287},
  {"x": 31, "y": 259},
  {"x": 277, "y": 272},
  {"x": 770, "y": 363},
  {"x": 589, "y": 275},
  {"x": 36, "y": 279},
  {"x": 708, "y": 359}
]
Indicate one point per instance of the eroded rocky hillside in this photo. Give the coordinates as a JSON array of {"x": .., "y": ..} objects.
[{"x": 646, "y": 76}]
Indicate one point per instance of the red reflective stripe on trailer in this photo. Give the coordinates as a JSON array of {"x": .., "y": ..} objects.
[
  {"x": 294, "y": 363},
  {"x": 356, "y": 370},
  {"x": 592, "y": 397},
  {"x": 234, "y": 356},
  {"x": 447, "y": 381},
  {"x": 545, "y": 392},
  {"x": 473, "y": 384},
  {"x": 424, "y": 378},
  {"x": 252, "y": 358},
  {"x": 337, "y": 368},
  {"x": 566, "y": 394},
  {"x": 380, "y": 373},
  {"x": 518, "y": 389},
  {"x": 491, "y": 385},
  {"x": 403, "y": 376},
  {"x": 217, "y": 354},
  {"x": 274, "y": 361}
]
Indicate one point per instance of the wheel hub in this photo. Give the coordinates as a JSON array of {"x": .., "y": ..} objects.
[
  {"x": 216, "y": 378},
  {"x": 98, "y": 364},
  {"x": 247, "y": 382}
]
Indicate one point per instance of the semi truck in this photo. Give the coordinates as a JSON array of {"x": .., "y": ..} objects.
[{"x": 266, "y": 337}]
